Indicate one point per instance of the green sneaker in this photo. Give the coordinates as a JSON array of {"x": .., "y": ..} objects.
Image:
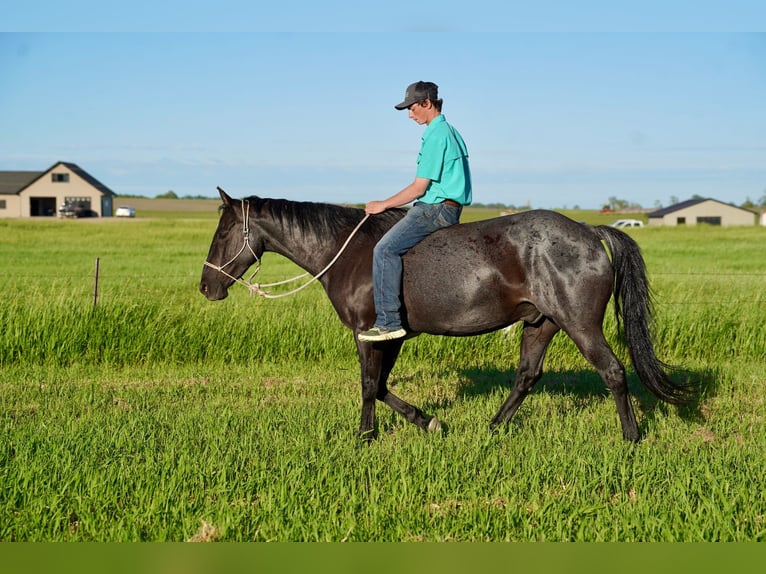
[{"x": 377, "y": 334}]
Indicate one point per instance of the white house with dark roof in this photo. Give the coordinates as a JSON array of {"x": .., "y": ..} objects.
[
  {"x": 64, "y": 188},
  {"x": 696, "y": 211}
]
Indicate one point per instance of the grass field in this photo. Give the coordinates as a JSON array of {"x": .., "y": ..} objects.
[{"x": 155, "y": 415}]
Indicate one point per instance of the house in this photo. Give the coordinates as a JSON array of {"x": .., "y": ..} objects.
[
  {"x": 694, "y": 211},
  {"x": 64, "y": 189}
]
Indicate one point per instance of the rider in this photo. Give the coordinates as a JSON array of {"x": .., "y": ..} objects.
[{"x": 443, "y": 186}]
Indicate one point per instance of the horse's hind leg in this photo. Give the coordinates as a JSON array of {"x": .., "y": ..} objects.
[
  {"x": 534, "y": 343},
  {"x": 597, "y": 351}
]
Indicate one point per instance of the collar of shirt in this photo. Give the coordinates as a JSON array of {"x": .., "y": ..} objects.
[{"x": 432, "y": 126}]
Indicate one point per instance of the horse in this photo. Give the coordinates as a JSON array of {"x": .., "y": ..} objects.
[{"x": 538, "y": 267}]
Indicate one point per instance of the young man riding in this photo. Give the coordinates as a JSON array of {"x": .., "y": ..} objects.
[{"x": 442, "y": 187}]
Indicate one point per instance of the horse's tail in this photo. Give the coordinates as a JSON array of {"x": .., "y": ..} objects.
[{"x": 633, "y": 312}]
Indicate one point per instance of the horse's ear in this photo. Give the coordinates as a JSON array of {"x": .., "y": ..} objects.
[{"x": 224, "y": 197}]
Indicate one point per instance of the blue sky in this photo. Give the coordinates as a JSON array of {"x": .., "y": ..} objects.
[{"x": 552, "y": 118}]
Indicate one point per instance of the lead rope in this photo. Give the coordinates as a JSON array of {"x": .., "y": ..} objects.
[{"x": 257, "y": 287}]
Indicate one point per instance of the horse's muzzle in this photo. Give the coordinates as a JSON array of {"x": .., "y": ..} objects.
[{"x": 213, "y": 293}]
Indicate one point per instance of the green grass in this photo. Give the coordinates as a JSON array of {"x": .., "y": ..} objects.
[{"x": 160, "y": 416}]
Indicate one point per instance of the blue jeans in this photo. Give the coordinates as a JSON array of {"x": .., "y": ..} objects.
[{"x": 421, "y": 220}]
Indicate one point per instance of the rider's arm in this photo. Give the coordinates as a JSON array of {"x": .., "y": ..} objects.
[{"x": 410, "y": 193}]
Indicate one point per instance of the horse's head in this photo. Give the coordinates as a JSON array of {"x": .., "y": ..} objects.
[{"x": 233, "y": 249}]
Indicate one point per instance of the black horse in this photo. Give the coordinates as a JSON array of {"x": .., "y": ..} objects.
[{"x": 538, "y": 267}]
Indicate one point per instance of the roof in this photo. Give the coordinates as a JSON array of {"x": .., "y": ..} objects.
[
  {"x": 87, "y": 177},
  {"x": 14, "y": 182},
  {"x": 688, "y": 203}
]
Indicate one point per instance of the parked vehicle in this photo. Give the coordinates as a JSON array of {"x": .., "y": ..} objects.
[
  {"x": 66, "y": 210},
  {"x": 71, "y": 210},
  {"x": 125, "y": 211},
  {"x": 627, "y": 223}
]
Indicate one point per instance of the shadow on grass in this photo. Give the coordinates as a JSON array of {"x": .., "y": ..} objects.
[{"x": 585, "y": 384}]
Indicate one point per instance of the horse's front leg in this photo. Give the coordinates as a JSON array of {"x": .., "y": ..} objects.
[
  {"x": 370, "y": 360},
  {"x": 377, "y": 361}
]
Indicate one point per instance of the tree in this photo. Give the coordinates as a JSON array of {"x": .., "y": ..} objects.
[
  {"x": 168, "y": 195},
  {"x": 749, "y": 204},
  {"x": 616, "y": 204}
]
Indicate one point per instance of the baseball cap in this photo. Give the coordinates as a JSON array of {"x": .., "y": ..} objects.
[{"x": 418, "y": 92}]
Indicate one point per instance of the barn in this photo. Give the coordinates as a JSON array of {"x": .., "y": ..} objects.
[
  {"x": 63, "y": 190},
  {"x": 696, "y": 211}
]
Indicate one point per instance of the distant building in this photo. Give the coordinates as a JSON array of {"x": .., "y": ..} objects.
[
  {"x": 63, "y": 190},
  {"x": 696, "y": 211}
]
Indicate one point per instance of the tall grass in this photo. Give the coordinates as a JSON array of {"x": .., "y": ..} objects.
[
  {"x": 158, "y": 415},
  {"x": 181, "y": 328}
]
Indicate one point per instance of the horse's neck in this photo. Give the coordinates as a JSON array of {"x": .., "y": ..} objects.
[{"x": 305, "y": 249}]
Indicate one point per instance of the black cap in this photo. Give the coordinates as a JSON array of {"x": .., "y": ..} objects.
[{"x": 418, "y": 92}]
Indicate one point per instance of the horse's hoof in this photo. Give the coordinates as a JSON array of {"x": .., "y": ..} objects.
[
  {"x": 434, "y": 425},
  {"x": 367, "y": 437}
]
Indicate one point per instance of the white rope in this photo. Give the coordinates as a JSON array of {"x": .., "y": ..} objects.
[{"x": 257, "y": 287}]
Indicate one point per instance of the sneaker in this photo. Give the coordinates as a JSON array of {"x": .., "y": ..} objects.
[{"x": 381, "y": 334}]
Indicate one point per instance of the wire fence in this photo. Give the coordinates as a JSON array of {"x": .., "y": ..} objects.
[{"x": 747, "y": 284}]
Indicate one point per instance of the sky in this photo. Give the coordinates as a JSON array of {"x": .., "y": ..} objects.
[{"x": 552, "y": 118}]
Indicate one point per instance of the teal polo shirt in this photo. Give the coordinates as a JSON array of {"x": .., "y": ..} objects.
[{"x": 443, "y": 159}]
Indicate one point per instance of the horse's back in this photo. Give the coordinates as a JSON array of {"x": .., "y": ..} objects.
[
  {"x": 484, "y": 275},
  {"x": 523, "y": 239}
]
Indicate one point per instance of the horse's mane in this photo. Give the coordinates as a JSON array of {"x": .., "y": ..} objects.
[{"x": 323, "y": 220}]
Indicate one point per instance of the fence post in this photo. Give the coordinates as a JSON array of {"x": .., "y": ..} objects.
[{"x": 95, "y": 285}]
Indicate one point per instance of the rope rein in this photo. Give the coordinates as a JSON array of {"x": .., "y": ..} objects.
[{"x": 257, "y": 287}]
